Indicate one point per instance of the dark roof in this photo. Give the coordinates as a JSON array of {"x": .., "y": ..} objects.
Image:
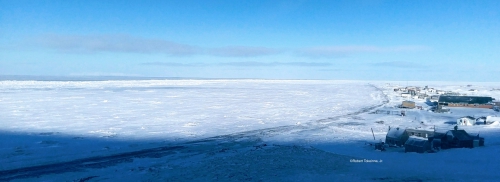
[
  {"x": 461, "y": 134},
  {"x": 464, "y": 99},
  {"x": 416, "y": 141},
  {"x": 469, "y": 117},
  {"x": 395, "y": 133}
]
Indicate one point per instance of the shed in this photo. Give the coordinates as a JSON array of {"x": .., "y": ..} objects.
[
  {"x": 417, "y": 144},
  {"x": 466, "y": 121},
  {"x": 396, "y": 136},
  {"x": 408, "y": 104}
]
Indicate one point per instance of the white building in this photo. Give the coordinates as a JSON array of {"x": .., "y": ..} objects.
[{"x": 466, "y": 121}]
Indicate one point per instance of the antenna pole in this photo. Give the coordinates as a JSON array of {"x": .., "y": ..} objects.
[{"x": 373, "y": 134}]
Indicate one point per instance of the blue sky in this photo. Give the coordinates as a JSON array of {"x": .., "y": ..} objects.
[{"x": 367, "y": 40}]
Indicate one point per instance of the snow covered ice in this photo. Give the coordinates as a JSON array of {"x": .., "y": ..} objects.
[{"x": 230, "y": 130}]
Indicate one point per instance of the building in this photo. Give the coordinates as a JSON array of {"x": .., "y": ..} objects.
[
  {"x": 434, "y": 98},
  {"x": 465, "y": 101},
  {"x": 412, "y": 92},
  {"x": 466, "y": 121},
  {"x": 417, "y": 144},
  {"x": 396, "y": 136},
  {"x": 460, "y": 139},
  {"x": 406, "y": 95},
  {"x": 408, "y": 104}
]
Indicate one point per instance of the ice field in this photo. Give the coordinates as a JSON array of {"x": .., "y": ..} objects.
[
  {"x": 227, "y": 130},
  {"x": 174, "y": 109}
]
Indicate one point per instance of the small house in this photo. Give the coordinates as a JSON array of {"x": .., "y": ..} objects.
[
  {"x": 408, "y": 104},
  {"x": 466, "y": 121},
  {"x": 396, "y": 136},
  {"x": 417, "y": 144}
]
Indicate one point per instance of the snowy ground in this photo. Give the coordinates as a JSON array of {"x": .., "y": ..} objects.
[{"x": 227, "y": 130}]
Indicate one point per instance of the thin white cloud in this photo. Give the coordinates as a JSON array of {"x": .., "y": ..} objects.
[
  {"x": 341, "y": 51},
  {"x": 400, "y": 64},
  {"x": 242, "y": 51},
  {"x": 115, "y": 43},
  {"x": 93, "y": 74},
  {"x": 240, "y": 64},
  {"x": 167, "y": 64},
  {"x": 131, "y": 44},
  {"x": 271, "y": 64}
]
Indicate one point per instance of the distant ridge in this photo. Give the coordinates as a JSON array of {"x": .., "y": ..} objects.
[
  {"x": 116, "y": 78},
  {"x": 89, "y": 78}
]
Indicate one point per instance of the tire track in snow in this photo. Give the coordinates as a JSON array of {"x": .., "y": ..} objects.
[{"x": 110, "y": 160}]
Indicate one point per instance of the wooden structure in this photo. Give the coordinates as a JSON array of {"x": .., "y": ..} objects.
[{"x": 408, "y": 104}]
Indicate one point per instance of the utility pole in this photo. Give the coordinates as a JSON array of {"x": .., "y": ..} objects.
[{"x": 373, "y": 134}]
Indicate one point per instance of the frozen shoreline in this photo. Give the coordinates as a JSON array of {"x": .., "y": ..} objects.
[{"x": 329, "y": 133}]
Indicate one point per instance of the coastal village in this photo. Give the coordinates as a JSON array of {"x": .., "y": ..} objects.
[{"x": 429, "y": 139}]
